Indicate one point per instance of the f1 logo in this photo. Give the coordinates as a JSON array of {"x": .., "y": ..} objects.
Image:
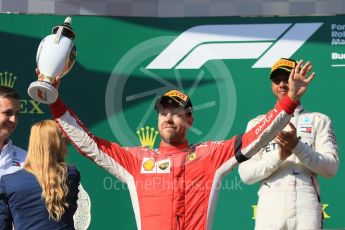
[{"x": 268, "y": 42}]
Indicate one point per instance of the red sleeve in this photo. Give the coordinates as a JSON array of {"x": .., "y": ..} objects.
[
  {"x": 260, "y": 135},
  {"x": 58, "y": 108},
  {"x": 242, "y": 147},
  {"x": 119, "y": 161}
]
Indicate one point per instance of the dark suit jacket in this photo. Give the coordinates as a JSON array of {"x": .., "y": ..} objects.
[{"x": 21, "y": 202}]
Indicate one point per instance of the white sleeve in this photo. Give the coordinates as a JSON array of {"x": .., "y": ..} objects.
[
  {"x": 260, "y": 166},
  {"x": 323, "y": 159}
]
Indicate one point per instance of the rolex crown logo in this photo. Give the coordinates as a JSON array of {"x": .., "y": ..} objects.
[
  {"x": 7, "y": 79},
  {"x": 147, "y": 136}
]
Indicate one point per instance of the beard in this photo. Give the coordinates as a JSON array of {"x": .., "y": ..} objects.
[
  {"x": 172, "y": 138},
  {"x": 169, "y": 138}
]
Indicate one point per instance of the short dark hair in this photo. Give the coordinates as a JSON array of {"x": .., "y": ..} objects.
[{"x": 8, "y": 92}]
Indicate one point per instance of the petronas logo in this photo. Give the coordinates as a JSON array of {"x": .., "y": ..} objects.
[
  {"x": 7, "y": 79},
  {"x": 147, "y": 136}
]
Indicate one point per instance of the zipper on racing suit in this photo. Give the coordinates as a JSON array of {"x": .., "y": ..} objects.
[
  {"x": 177, "y": 223},
  {"x": 312, "y": 179},
  {"x": 319, "y": 199}
]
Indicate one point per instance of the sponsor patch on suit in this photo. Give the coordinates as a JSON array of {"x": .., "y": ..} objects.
[{"x": 150, "y": 165}]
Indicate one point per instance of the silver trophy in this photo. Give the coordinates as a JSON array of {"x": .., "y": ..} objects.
[{"x": 55, "y": 57}]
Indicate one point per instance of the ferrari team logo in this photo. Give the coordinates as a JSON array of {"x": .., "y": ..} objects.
[{"x": 192, "y": 156}]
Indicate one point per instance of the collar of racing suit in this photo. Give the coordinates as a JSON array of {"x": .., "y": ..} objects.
[
  {"x": 7, "y": 145},
  {"x": 298, "y": 110},
  {"x": 165, "y": 148}
]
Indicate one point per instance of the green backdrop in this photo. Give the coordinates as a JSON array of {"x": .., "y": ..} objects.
[{"x": 112, "y": 90}]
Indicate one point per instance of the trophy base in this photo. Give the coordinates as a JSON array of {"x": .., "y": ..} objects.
[{"x": 43, "y": 92}]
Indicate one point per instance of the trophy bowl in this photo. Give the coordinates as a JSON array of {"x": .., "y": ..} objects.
[{"x": 55, "y": 57}]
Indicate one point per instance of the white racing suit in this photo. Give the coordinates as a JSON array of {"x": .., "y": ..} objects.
[{"x": 289, "y": 192}]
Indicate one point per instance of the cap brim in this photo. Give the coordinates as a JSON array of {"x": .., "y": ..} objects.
[
  {"x": 280, "y": 70},
  {"x": 160, "y": 102}
]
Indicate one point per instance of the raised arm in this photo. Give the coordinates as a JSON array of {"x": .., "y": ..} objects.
[
  {"x": 117, "y": 160},
  {"x": 246, "y": 145},
  {"x": 261, "y": 165},
  {"x": 299, "y": 80},
  {"x": 261, "y": 134}
]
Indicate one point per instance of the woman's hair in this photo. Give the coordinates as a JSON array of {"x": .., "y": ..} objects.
[{"x": 46, "y": 160}]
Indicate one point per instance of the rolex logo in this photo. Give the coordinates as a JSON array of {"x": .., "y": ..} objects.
[
  {"x": 147, "y": 136},
  {"x": 7, "y": 79},
  {"x": 27, "y": 106}
]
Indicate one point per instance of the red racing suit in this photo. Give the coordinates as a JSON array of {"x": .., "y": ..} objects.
[{"x": 173, "y": 187}]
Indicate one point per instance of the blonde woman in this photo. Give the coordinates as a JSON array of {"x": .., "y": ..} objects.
[{"x": 43, "y": 195}]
